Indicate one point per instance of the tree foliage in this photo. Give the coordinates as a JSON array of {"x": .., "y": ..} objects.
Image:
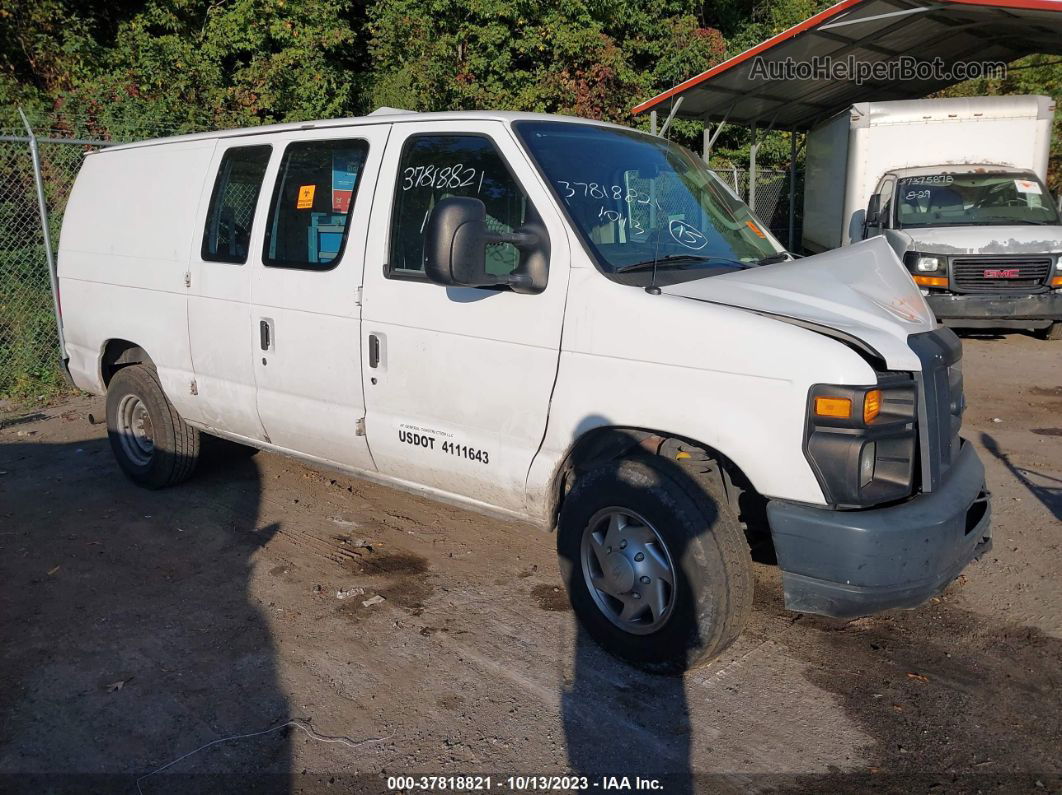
[{"x": 129, "y": 68}]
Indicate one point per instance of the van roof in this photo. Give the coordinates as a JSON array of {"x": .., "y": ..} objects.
[
  {"x": 958, "y": 168},
  {"x": 916, "y": 111},
  {"x": 380, "y": 116}
]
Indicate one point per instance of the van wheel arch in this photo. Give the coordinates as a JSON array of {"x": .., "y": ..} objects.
[
  {"x": 601, "y": 445},
  {"x": 118, "y": 353}
]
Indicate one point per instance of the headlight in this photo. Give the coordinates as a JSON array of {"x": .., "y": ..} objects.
[
  {"x": 861, "y": 441},
  {"x": 928, "y": 264}
]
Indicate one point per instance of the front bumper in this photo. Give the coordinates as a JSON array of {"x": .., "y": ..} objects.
[
  {"x": 1020, "y": 311},
  {"x": 853, "y": 563}
]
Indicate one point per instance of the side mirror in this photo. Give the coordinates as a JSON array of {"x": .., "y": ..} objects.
[
  {"x": 455, "y": 248},
  {"x": 872, "y": 217},
  {"x": 874, "y": 210}
]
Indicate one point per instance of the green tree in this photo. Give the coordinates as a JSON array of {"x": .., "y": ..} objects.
[
  {"x": 177, "y": 65},
  {"x": 584, "y": 58}
]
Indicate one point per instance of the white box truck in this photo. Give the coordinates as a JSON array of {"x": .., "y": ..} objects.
[
  {"x": 564, "y": 321},
  {"x": 956, "y": 187}
]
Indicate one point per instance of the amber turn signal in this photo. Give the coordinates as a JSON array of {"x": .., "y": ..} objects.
[
  {"x": 1056, "y": 281},
  {"x": 931, "y": 281},
  {"x": 871, "y": 405},
  {"x": 839, "y": 408},
  {"x": 755, "y": 229}
]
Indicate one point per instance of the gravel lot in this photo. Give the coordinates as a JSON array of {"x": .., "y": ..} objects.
[{"x": 137, "y": 626}]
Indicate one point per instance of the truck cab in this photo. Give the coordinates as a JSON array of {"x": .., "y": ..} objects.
[
  {"x": 982, "y": 241},
  {"x": 560, "y": 320}
]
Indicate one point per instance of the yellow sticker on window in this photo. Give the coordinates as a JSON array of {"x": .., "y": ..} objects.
[
  {"x": 755, "y": 229},
  {"x": 305, "y": 201}
]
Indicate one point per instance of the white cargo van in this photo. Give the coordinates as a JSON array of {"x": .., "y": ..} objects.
[
  {"x": 564, "y": 321},
  {"x": 956, "y": 187}
]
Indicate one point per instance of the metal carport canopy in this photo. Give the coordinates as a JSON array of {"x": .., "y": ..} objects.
[{"x": 955, "y": 31}]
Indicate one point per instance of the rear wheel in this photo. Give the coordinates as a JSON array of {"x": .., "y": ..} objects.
[
  {"x": 152, "y": 444},
  {"x": 655, "y": 562}
]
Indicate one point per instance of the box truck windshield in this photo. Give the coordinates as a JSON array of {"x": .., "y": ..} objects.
[
  {"x": 975, "y": 199},
  {"x": 646, "y": 208}
]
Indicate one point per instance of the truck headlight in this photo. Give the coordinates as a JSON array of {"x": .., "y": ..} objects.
[
  {"x": 861, "y": 441},
  {"x": 925, "y": 263}
]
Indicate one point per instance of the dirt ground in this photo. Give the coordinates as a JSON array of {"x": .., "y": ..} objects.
[{"x": 137, "y": 627}]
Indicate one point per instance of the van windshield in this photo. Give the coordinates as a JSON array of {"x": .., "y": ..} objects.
[
  {"x": 997, "y": 199},
  {"x": 639, "y": 202}
]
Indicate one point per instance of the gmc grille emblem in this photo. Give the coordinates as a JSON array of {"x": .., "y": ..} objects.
[{"x": 1002, "y": 273}]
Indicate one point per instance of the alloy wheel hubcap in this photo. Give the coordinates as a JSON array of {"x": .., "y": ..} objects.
[
  {"x": 628, "y": 570},
  {"x": 135, "y": 431}
]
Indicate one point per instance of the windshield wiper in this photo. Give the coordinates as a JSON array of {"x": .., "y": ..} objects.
[
  {"x": 676, "y": 259},
  {"x": 1020, "y": 221},
  {"x": 780, "y": 256}
]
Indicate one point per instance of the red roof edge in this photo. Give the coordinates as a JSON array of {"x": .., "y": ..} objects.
[
  {"x": 730, "y": 63},
  {"x": 811, "y": 22}
]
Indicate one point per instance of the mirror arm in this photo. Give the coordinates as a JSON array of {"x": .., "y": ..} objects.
[{"x": 522, "y": 240}]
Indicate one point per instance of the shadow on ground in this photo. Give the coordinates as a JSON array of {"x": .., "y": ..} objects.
[
  {"x": 1046, "y": 488},
  {"x": 953, "y": 701},
  {"x": 126, "y": 621}
]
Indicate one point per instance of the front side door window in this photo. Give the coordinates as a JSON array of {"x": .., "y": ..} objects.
[{"x": 433, "y": 167}]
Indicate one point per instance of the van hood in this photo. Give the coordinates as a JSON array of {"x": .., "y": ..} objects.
[
  {"x": 1001, "y": 240},
  {"x": 861, "y": 291}
]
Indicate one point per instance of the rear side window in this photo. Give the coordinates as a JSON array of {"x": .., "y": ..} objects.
[
  {"x": 315, "y": 190},
  {"x": 231, "y": 214},
  {"x": 436, "y": 166}
]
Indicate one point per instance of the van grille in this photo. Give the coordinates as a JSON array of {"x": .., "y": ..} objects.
[{"x": 999, "y": 274}]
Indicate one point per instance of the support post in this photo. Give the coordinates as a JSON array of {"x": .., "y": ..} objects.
[
  {"x": 675, "y": 105},
  {"x": 710, "y": 135},
  {"x": 652, "y": 122},
  {"x": 792, "y": 188},
  {"x": 42, "y": 209},
  {"x": 706, "y": 143},
  {"x": 753, "y": 150}
]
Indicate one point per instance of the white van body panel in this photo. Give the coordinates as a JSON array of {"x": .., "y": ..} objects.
[
  {"x": 461, "y": 366},
  {"x": 518, "y": 377},
  {"x": 857, "y": 147},
  {"x": 678, "y": 368},
  {"x": 310, "y": 396},
  {"x": 1005, "y": 241},
  {"x": 123, "y": 257},
  {"x": 864, "y": 292},
  {"x": 220, "y": 333}
]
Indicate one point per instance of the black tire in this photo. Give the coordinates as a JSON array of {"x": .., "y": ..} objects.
[
  {"x": 1052, "y": 332},
  {"x": 174, "y": 445},
  {"x": 706, "y": 547}
]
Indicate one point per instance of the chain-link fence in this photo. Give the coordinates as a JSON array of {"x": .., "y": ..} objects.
[
  {"x": 771, "y": 203},
  {"x": 29, "y": 344}
]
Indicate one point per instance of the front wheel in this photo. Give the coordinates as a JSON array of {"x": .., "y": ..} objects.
[
  {"x": 655, "y": 562},
  {"x": 1052, "y": 332},
  {"x": 153, "y": 445}
]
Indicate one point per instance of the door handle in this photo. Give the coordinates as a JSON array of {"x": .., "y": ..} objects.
[
  {"x": 265, "y": 333},
  {"x": 374, "y": 351}
]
